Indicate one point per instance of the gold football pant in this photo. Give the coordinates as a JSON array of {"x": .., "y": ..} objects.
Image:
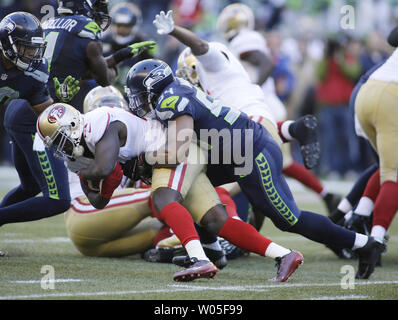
[
  {"x": 376, "y": 107},
  {"x": 123, "y": 227},
  {"x": 190, "y": 180}
]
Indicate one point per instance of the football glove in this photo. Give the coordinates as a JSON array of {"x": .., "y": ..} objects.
[
  {"x": 137, "y": 169},
  {"x": 134, "y": 49},
  {"x": 164, "y": 23},
  {"x": 66, "y": 90},
  {"x": 111, "y": 182}
]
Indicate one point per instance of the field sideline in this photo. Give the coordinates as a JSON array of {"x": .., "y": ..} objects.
[{"x": 30, "y": 246}]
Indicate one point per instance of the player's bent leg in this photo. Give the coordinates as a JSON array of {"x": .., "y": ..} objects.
[{"x": 89, "y": 228}]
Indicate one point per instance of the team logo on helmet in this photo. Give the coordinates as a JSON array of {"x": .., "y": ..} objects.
[
  {"x": 56, "y": 113},
  {"x": 10, "y": 26},
  {"x": 156, "y": 76}
]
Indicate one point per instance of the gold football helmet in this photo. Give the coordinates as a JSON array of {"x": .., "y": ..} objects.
[
  {"x": 61, "y": 125},
  {"x": 233, "y": 18},
  {"x": 186, "y": 67},
  {"x": 104, "y": 97}
]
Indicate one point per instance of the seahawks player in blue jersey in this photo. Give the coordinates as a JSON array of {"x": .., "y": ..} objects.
[
  {"x": 23, "y": 91},
  {"x": 247, "y": 154},
  {"x": 74, "y": 46}
]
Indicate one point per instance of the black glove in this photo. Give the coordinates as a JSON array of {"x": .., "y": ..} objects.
[{"x": 137, "y": 169}]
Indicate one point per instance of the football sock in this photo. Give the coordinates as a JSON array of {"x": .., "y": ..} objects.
[
  {"x": 386, "y": 205},
  {"x": 180, "y": 221},
  {"x": 227, "y": 201},
  {"x": 283, "y": 130},
  {"x": 344, "y": 205},
  {"x": 244, "y": 236},
  {"x": 321, "y": 229},
  {"x": 357, "y": 191},
  {"x": 364, "y": 207},
  {"x": 306, "y": 177},
  {"x": 275, "y": 251},
  {"x": 360, "y": 241},
  {"x": 373, "y": 187},
  {"x": 195, "y": 249},
  {"x": 378, "y": 232},
  {"x": 32, "y": 209}
]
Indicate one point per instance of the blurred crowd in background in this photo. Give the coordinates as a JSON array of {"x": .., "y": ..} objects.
[{"x": 318, "y": 58}]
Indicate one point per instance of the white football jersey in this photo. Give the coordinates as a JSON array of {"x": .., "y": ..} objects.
[
  {"x": 142, "y": 135},
  {"x": 388, "y": 71},
  {"x": 250, "y": 40},
  {"x": 223, "y": 77}
]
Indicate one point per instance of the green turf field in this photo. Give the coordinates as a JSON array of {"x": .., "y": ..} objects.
[{"x": 33, "y": 246}]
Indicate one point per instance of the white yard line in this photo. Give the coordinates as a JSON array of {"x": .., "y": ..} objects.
[
  {"x": 192, "y": 288},
  {"x": 340, "y": 298},
  {"x": 39, "y": 281},
  {"x": 55, "y": 240}
]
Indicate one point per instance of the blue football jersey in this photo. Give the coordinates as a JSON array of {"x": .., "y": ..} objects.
[
  {"x": 215, "y": 124},
  {"x": 67, "y": 38},
  {"x": 17, "y": 84}
]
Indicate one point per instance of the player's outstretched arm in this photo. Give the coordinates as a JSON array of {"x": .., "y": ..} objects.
[{"x": 164, "y": 24}]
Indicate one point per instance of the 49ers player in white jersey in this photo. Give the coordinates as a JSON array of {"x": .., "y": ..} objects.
[{"x": 214, "y": 67}]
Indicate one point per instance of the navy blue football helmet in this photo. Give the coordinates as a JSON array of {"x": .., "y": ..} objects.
[
  {"x": 146, "y": 80},
  {"x": 125, "y": 14},
  {"x": 94, "y": 9},
  {"x": 22, "y": 42}
]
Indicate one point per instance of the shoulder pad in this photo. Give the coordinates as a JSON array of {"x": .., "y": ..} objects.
[
  {"x": 90, "y": 30},
  {"x": 40, "y": 74}
]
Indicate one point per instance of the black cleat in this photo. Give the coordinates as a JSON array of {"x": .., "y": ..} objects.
[
  {"x": 231, "y": 251},
  {"x": 164, "y": 255},
  {"x": 368, "y": 258},
  {"x": 216, "y": 256},
  {"x": 337, "y": 216},
  {"x": 358, "y": 223},
  {"x": 332, "y": 201},
  {"x": 345, "y": 254},
  {"x": 2, "y": 254},
  {"x": 304, "y": 130}
]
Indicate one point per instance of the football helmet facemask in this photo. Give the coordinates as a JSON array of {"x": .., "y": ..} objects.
[
  {"x": 61, "y": 126},
  {"x": 145, "y": 82},
  {"x": 234, "y": 18},
  {"x": 104, "y": 97},
  {"x": 21, "y": 38},
  {"x": 186, "y": 67}
]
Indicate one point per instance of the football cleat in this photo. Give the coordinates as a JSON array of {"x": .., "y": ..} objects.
[
  {"x": 359, "y": 223},
  {"x": 332, "y": 201},
  {"x": 369, "y": 255},
  {"x": 198, "y": 269},
  {"x": 164, "y": 255},
  {"x": 231, "y": 251},
  {"x": 2, "y": 253},
  {"x": 345, "y": 254},
  {"x": 216, "y": 256},
  {"x": 287, "y": 265},
  {"x": 304, "y": 130}
]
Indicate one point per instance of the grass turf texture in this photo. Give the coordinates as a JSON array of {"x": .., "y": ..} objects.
[{"x": 32, "y": 245}]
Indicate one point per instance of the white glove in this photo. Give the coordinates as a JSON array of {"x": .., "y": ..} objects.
[{"x": 164, "y": 22}]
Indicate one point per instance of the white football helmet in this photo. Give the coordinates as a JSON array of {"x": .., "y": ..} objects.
[
  {"x": 61, "y": 125},
  {"x": 234, "y": 18},
  {"x": 186, "y": 67},
  {"x": 104, "y": 97}
]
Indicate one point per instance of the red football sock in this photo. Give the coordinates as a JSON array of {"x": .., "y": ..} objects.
[
  {"x": 244, "y": 236},
  {"x": 163, "y": 233},
  {"x": 180, "y": 221},
  {"x": 305, "y": 176},
  {"x": 373, "y": 186},
  {"x": 280, "y": 123},
  {"x": 386, "y": 205},
  {"x": 227, "y": 201}
]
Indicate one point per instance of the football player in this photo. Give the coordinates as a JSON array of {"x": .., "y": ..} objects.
[
  {"x": 223, "y": 78},
  {"x": 259, "y": 174},
  {"x": 74, "y": 46},
  {"x": 110, "y": 135},
  {"x": 125, "y": 30},
  {"x": 23, "y": 91}
]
